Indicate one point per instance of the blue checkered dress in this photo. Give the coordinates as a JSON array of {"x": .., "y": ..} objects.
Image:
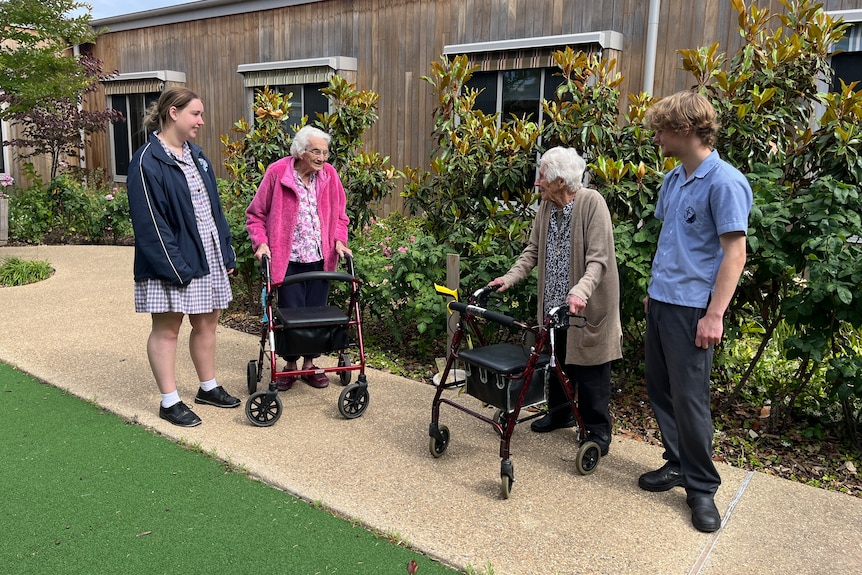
[{"x": 201, "y": 295}]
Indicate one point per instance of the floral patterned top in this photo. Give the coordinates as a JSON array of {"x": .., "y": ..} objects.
[{"x": 306, "y": 234}]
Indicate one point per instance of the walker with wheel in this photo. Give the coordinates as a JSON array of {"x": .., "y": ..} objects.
[
  {"x": 308, "y": 331},
  {"x": 506, "y": 376}
]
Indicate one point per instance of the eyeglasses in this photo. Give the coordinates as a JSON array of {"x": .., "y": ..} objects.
[{"x": 318, "y": 153}]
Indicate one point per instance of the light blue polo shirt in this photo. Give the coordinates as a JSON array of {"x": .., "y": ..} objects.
[{"x": 714, "y": 201}]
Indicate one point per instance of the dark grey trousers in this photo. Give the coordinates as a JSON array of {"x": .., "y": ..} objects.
[
  {"x": 677, "y": 380},
  {"x": 592, "y": 386}
]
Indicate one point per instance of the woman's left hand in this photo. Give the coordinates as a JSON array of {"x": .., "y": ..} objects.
[{"x": 576, "y": 304}]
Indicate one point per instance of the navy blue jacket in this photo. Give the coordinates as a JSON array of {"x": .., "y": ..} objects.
[{"x": 167, "y": 243}]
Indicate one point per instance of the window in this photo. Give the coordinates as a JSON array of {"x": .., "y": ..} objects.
[
  {"x": 847, "y": 64},
  {"x": 301, "y": 78},
  {"x": 130, "y": 94},
  {"x": 515, "y": 92},
  {"x": 516, "y": 75},
  {"x": 306, "y": 100},
  {"x": 129, "y": 135}
]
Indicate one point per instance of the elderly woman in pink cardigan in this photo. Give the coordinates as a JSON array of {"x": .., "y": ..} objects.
[{"x": 297, "y": 218}]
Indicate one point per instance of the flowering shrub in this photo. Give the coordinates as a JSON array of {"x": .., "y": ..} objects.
[
  {"x": 399, "y": 264},
  {"x": 70, "y": 211},
  {"x": 6, "y": 183},
  {"x": 111, "y": 222}
]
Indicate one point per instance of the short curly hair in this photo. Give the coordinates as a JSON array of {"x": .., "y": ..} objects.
[
  {"x": 564, "y": 163},
  {"x": 682, "y": 111},
  {"x": 300, "y": 140}
]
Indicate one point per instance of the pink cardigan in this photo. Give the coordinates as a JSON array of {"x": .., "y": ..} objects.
[{"x": 271, "y": 215}]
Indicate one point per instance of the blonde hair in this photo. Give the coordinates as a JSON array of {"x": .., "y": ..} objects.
[
  {"x": 682, "y": 111},
  {"x": 158, "y": 113}
]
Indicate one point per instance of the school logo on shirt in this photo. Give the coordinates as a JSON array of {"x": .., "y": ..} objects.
[
  {"x": 690, "y": 215},
  {"x": 204, "y": 165}
]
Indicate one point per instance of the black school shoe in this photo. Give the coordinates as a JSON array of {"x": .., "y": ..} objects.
[
  {"x": 664, "y": 478},
  {"x": 704, "y": 514},
  {"x": 179, "y": 414},
  {"x": 553, "y": 421},
  {"x": 603, "y": 443},
  {"x": 217, "y": 396}
]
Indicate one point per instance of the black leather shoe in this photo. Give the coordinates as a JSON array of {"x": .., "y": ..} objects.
[
  {"x": 179, "y": 414},
  {"x": 217, "y": 396},
  {"x": 663, "y": 479},
  {"x": 553, "y": 421},
  {"x": 603, "y": 443},
  {"x": 704, "y": 514}
]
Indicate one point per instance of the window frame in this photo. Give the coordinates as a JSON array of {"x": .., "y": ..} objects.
[
  {"x": 524, "y": 54},
  {"x": 134, "y": 84},
  {"x": 290, "y": 73}
]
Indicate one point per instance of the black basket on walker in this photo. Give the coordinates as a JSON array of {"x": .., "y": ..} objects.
[
  {"x": 492, "y": 375},
  {"x": 310, "y": 331}
]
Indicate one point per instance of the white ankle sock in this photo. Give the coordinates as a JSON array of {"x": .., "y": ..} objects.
[
  {"x": 168, "y": 399},
  {"x": 209, "y": 385}
]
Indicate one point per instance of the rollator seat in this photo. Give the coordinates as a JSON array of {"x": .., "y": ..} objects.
[
  {"x": 310, "y": 330},
  {"x": 490, "y": 371},
  {"x": 322, "y": 316}
]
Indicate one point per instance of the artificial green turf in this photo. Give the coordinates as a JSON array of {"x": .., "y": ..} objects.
[{"x": 85, "y": 492}]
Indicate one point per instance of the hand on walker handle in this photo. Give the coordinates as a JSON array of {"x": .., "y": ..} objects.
[
  {"x": 262, "y": 250},
  {"x": 576, "y": 304},
  {"x": 342, "y": 250},
  {"x": 498, "y": 283}
]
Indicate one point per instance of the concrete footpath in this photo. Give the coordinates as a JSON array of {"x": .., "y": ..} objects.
[{"x": 78, "y": 331}]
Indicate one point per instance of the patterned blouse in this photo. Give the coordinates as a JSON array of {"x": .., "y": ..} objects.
[
  {"x": 557, "y": 257},
  {"x": 306, "y": 246}
]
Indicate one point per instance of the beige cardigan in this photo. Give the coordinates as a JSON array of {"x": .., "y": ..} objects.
[{"x": 593, "y": 277}]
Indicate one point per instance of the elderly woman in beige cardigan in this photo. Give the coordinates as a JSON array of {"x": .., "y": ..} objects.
[{"x": 572, "y": 245}]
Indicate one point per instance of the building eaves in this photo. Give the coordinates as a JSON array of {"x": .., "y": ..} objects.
[{"x": 188, "y": 12}]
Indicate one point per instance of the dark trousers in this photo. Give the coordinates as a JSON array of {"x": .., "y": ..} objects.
[
  {"x": 677, "y": 380},
  {"x": 313, "y": 293},
  {"x": 592, "y": 386}
]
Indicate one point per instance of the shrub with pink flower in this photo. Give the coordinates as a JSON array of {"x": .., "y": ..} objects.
[{"x": 6, "y": 183}]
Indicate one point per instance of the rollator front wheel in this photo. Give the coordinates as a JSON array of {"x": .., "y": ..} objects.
[
  {"x": 353, "y": 401},
  {"x": 263, "y": 409},
  {"x": 588, "y": 457},
  {"x": 438, "y": 446}
]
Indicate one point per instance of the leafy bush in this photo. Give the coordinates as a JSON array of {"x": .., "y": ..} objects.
[
  {"x": 367, "y": 177},
  {"x": 246, "y": 160},
  {"x": 399, "y": 264},
  {"x": 799, "y": 148},
  {"x": 30, "y": 216},
  {"x": 79, "y": 207},
  {"x": 17, "y": 272}
]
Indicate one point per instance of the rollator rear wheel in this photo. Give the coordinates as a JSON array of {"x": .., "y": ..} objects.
[
  {"x": 588, "y": 457},
  {"x": 436, "y": 446},
  {"x": 251, "y": 376},
  {"x": 263, "y": 409},
  {"x": 507, "y": 478},
  {"x": 353, "y": 401},
  {"x": 506, "y": 484},
  {"x": 344, "y": 376}
]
